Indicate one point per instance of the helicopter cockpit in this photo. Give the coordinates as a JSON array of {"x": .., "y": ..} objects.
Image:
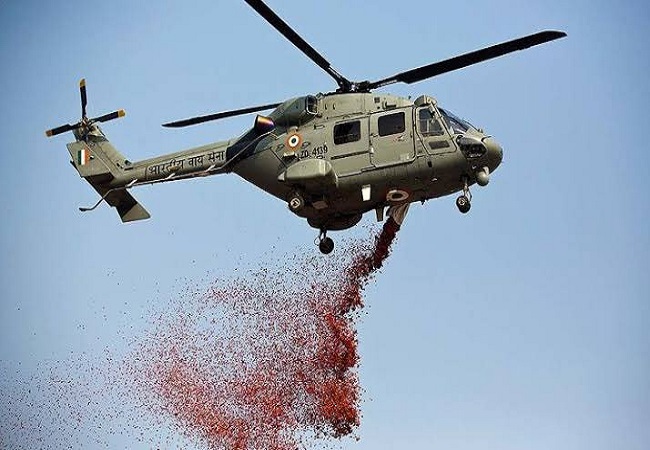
[
  {"x": 435, "y": 122},
  {"x": 430, "y": 126}
]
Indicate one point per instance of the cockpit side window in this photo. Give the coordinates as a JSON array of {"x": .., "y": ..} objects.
[{"x": 428, "y": 124}]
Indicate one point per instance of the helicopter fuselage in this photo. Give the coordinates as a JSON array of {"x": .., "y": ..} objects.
[
  {"x": 352, "y": 153},
  {"x": 342, "y": 155}
]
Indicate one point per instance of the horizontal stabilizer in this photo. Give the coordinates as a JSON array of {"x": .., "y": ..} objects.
[{"x": 127, "y": 207}]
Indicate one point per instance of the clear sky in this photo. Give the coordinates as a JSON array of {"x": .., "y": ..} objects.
[{"x": 524, "y": 324}]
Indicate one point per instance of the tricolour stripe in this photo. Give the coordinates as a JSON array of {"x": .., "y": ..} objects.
[{"x": 83, "y": 156}]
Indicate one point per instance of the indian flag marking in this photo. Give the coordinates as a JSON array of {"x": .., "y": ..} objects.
[{"x": 83, "y": 156}]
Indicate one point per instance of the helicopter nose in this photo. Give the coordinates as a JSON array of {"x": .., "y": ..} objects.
[{"x": 494, "y": 152}]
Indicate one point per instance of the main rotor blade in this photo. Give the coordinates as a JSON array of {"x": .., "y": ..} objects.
[
  {"x": 299, "y": 42},
  {"x": 84, "y": 98},
  {"x": 220, "y": 115},
  {"x": 109, "y": 116},
  {"x": 467, "y": 59}
]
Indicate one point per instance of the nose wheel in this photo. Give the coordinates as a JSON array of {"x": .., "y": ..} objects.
[
  {"x": 325, "y": 244},
  {"x": 464, "y": 202}
]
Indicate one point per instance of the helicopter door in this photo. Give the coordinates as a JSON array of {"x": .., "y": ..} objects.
[
  {"x": 350, "y": 154},
  {"x": 391, "y": 137},
  {"x": 431, "y": 133}
]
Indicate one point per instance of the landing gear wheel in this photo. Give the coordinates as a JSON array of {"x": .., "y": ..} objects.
[
  {"x": 463, "y": 204},
  {"x": 296, "y": 202},
  {"x": 326, "y": 245}
]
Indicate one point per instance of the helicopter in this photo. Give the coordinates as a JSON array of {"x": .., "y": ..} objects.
[{"x": 331, "y": 157}]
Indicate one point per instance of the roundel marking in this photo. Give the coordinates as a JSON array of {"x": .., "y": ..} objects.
[{"x": 294, "y": 141}]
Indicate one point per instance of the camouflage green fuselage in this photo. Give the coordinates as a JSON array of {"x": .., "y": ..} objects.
[{"x": 345, "y": 154}]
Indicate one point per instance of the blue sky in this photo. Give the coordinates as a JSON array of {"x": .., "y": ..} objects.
[{"x": 523, "y": 324}]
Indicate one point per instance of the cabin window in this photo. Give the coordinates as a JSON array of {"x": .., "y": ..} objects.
[
  {"x": 347, "y": 132},
  {"x": 391, "y": 124},
  {"x": 429, "y": 125}
]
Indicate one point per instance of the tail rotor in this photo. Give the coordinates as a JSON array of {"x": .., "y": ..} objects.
[{"x": 85, "y": 124}]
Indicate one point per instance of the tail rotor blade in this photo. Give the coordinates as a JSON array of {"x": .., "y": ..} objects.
[
  {"x": 84, "y": 125},
  {"x": 61, "y": 129},
  {"x": 109, "y": 116},
  {"x": 84, "y": 97}
]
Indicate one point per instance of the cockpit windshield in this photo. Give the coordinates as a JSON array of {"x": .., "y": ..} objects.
[{"x": 455, "y": 123}]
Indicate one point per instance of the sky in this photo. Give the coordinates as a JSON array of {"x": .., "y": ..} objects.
[{"x": 523, "y": 324}]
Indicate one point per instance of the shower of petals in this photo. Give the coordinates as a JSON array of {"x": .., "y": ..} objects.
[{"x": 266, "y": 360}]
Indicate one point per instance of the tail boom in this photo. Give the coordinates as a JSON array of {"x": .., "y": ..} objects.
[{"x": 111, "y": 175}]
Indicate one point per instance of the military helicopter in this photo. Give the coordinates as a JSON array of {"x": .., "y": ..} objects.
[{"x": 332, "y": 157}]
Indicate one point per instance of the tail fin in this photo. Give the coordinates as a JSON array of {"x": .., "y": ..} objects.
[{"x": 98, "y": 162}]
